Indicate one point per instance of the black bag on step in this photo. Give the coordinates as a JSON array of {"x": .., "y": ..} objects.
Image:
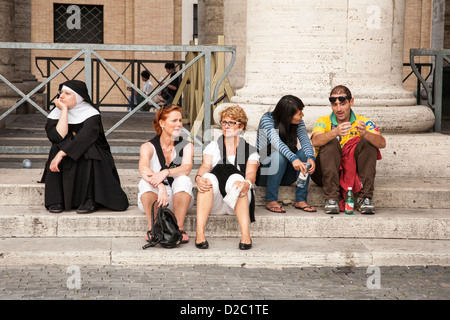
[{"x": 165, "y": 229}]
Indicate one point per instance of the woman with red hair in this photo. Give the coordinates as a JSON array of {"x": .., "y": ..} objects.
[{"x": 164, "y": 164}]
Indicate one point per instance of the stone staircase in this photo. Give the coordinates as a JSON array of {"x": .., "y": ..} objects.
[{"x": 410, "y": 227}]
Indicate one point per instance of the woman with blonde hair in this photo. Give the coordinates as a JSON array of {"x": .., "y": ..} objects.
[
  {"x": 228, "y": 171},
  {"x": 164, "y": 164}
]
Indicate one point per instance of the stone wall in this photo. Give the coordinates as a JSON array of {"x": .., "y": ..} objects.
[
  {"x": 447, "y": 25},
  {"x": 210, "y": 16},
  {"x": 15, "y": 64},
  {"x": 418, "y": 23},
  {"x": 141, "y": 22}
]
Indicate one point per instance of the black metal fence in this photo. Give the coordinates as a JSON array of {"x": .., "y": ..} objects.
[{"x": 133, "y": 66}]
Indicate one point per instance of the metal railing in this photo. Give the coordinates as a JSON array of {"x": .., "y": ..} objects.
[
  {"x": 434, "y": 94},
  {"x": 419, "y": 84},
  {"x": 91, "y": 50},
  {"x": 133, "y": 66}
]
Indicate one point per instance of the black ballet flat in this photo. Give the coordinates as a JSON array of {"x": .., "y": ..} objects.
[
  {"x": 88, "y": 206},
  {"x": 245, "y": 246},
  {"x": 202, "y": 245},
  {"x": 56, "y": 208}
]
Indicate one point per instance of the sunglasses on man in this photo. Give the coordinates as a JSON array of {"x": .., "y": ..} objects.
[{"x": 341, "y": 99}]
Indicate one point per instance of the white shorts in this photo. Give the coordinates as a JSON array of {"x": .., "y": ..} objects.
[
  {"x": 181, "y": 183},
  {"x": 219, "y": 206}
]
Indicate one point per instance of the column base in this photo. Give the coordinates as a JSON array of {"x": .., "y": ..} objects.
[{"x": 391, "y": 118}]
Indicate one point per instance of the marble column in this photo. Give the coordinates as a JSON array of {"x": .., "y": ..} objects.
[{"x": 305, "y": 48}]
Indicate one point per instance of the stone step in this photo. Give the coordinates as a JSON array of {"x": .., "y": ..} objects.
[
  {"x": 388, "y": 223},
  {"x": 20, "y": 187},
  {"x": 399, "y": 158},
  {"x": 266, "y": 252}
]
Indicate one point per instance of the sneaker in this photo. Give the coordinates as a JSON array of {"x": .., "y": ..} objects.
[
  {"x": 331, "y": 206},
  {"x": 365, "y": 206}
]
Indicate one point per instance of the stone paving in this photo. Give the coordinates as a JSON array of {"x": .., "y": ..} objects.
[{"x": 223, "y": 283}]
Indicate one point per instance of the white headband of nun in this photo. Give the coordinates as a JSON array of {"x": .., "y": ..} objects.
[{"x": 77, "y": 96}]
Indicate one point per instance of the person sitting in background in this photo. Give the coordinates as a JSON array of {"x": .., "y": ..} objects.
[
  {"x": 169, "y": 92},
  {"x": 147, "y": 89}
]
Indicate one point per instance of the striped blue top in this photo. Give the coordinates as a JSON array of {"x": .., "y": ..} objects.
[{"x": 267, "y": 134}]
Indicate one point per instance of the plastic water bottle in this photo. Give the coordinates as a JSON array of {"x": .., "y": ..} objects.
[
  {"x": 349, "y": 201},
  {"x": 301, "y": 181}
]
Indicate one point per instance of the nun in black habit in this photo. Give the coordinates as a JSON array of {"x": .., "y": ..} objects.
[{"x": 80, "y": 171}]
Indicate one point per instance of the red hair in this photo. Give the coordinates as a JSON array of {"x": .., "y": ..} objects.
[{"x": 162, "y": 114}]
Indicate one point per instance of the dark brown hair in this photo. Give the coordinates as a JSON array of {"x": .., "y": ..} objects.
[
  {"x": 282, "y": 116},
  {"x": 342, "y": 89}
]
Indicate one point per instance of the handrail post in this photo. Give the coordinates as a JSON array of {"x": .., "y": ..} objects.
[
  {"x": 88, "y": 70},
  {"x": 438, "y": 79},
  {"x": 207, "y": 99},
  {"x": 418, "y": 86}
]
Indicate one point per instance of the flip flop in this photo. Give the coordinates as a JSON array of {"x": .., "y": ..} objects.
[
  {"x": 306, "y": 207},
  {"x": 271, "y": 209}
]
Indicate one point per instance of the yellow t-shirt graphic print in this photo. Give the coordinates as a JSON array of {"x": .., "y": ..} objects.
[{"x": 328, "y": 123}]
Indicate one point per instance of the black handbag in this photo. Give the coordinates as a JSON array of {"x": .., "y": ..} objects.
[{"x": 164, "y": 230}]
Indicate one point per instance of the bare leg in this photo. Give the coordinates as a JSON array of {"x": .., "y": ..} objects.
[
  {"x": 242, "y": 213},
  {"x": 204, "y": 205},
  {"x": 181, "y": 202},
  {"x": 147, "y": 200}
]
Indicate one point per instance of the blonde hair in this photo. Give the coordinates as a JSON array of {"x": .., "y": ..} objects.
[{"x": 236, "y": 113}]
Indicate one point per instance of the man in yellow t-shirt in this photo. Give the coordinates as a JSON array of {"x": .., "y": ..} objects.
[{"x": 330, "y": 134}]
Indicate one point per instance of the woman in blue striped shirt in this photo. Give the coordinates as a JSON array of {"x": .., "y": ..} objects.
[{"x": 281, "y": 160}]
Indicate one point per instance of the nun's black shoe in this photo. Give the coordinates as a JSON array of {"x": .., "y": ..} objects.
[
  {"x": 88, "y": 206},
  {"x": 56, "y": 208}
]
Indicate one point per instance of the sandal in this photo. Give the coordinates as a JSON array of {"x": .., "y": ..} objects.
[
  {"x": 276, "y": 209},
  {"x": 186, "y": 240},
  {"x": 306, "y": 207}
]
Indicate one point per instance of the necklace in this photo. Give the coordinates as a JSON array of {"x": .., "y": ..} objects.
[{"x": 167, "y": 149}]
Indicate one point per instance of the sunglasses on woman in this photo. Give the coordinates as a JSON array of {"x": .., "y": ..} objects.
[{"x": 341, "y": 99}]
